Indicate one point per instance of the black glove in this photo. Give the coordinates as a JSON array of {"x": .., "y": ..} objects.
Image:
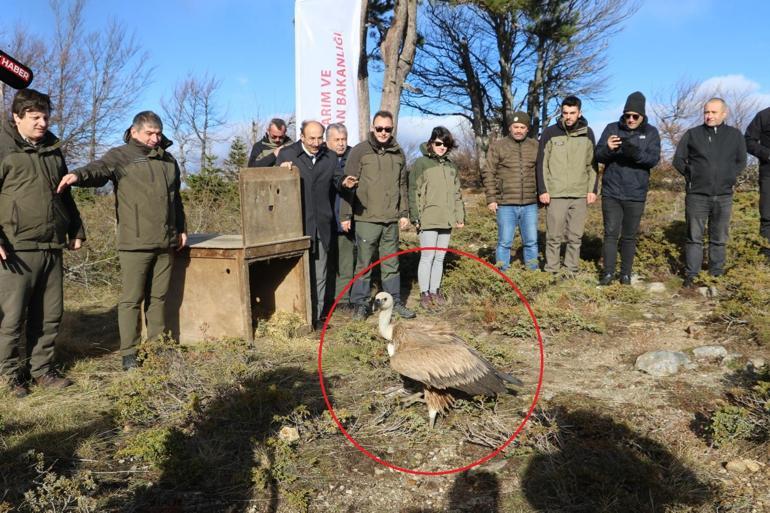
[{"x": 629, "y": 150}]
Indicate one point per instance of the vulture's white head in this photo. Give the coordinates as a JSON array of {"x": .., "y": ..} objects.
[{"x": 384, "y": 303}]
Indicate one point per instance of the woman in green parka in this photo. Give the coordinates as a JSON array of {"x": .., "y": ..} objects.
[{"x": 435, "y": 207}]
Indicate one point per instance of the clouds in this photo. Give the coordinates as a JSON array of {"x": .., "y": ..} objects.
[{"x": 733, "y": 85}]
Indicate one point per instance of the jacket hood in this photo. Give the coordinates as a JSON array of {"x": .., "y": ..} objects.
[
  {"x": 48, "y": 141},
  {"x": 165, "y": 142},
  {"x": 581, "y": 123}
]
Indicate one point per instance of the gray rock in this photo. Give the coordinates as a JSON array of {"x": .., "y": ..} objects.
[
  {"x": 757, "y": 362},
  {"x": 709, "y": 353},
  {"x": 708, "y": 292},
  {"x": 656, "y": 287},
  {"x": 661, "y": 363}
]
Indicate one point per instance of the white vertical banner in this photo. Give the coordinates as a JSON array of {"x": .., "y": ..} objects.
[{"x": 327, "y": 40}]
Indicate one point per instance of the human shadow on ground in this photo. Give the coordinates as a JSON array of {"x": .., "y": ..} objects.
[
  {"x": 471, "y": 492},
  {"x": 87, "y": 333},
  {"x": 211, "y": 465},
  {"x": 604, "y": 466}
]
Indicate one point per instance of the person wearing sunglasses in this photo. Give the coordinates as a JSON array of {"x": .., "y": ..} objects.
[
  {"x": 628, "y": 148},
  {"x": 377, "y": 167},
  {"x": 511, "y": 191},
  {"x": 265, "y": 151},
  {"x": 435, "y": 207},
  {"x": 710, "y": 156}
]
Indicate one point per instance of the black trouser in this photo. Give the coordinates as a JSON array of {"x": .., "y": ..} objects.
[
  {"x": 764, "y": 205},
  {"x": 716, "y": 210},
  {"x": 621, "y": 219}
]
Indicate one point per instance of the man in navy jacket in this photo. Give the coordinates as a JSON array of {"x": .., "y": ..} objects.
[
  {"x": 710, "y": 157},
  {"x": 628, "y": 148},
  {"x": 758, "y": 144}
]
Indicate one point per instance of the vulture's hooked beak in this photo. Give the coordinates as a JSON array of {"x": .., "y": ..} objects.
[{"x": 377, "y": 305}]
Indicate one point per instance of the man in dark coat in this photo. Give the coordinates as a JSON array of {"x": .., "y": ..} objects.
[
  {"x": 265, "y": 151},
  {"x": 320, "y": 176},
  {"x": 628, "y": 148},
  {"x": 758, "y": 144},
  {"x": 36, "y": 223},
  {"x": 337, "y": 141},
  {"x": 710, "y": 156}
]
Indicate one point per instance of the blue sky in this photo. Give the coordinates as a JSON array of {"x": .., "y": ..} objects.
[{"x": 249, "y": 45}]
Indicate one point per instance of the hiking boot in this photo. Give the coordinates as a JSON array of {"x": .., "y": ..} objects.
[
  {"x": 130, "y": 362},
  {"x": 625, "y": 279},
  {"x": 52, "y": 379},
  {"x": 403, "y": 311},
  {"x": 426, "y": 300},
  {"x": 361, "y": 312},
  {"x": 17, "y": 386},
  {"x": 438, "y": 298},
  {"x": 689, "y": 282},
  {"x": 605, "y": 280}
]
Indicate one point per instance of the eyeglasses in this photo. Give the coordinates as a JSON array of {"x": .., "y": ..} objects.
[
  {"x": 631, "y": 115},
  {"x": 438, "y": 144},
  {"x": 386, "y": 129}
]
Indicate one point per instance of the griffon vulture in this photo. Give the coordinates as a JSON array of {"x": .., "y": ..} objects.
[{"x": 439, "y": 359}]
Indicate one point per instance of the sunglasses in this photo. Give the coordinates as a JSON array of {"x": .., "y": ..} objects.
[
  {"x": 438, "y": 144},
  {"x": 386, "y": 129},
  {"x": 631, "y": 115}
]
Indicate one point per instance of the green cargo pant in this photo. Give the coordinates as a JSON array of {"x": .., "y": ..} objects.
[
  {"x": 146, "y": 276},
  {"x": 564, "y": 222},
  {"x": 31, "y": 291},
  {"x": 372, "y": 238},
  {"x": 346, "y": 264}
]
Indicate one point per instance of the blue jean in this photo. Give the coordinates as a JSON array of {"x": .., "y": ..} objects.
[
  {"x": 525, "y": 218},
  {"x": 700, "y": 210}
]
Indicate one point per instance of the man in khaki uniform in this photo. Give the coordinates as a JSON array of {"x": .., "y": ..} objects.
[
  {"x": 151, "y": 224},
  {"x": 380, "y": 207},
  {"x": 35, "y": 224}
]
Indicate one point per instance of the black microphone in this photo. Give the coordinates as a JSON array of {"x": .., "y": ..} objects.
[{"x": 14, "y": 73}]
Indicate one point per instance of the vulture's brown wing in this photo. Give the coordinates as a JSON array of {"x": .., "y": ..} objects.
[{"x": 441, "y": 359}]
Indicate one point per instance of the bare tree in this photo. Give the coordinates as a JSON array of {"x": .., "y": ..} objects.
[
  {"x": 397, "y": 51},
  {"x": 116, "y": 69},
  {"x": 193, "y": 115}
]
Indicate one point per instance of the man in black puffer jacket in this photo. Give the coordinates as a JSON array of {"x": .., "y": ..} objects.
[
  {"x": 710, "y": 157},
  {"x": 628, "y": 148},
  {"x": 758, "y": 144}
]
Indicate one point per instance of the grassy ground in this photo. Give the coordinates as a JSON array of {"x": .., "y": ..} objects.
[{"x": 209, "y": 427}]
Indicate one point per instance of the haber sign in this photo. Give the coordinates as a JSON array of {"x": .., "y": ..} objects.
[
  {"x": 327, "y": 39},
  {"x": 14, "y": 73}
]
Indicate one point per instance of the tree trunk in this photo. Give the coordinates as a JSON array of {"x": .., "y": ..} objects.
[
  {"x": 397, "y": 50},
  {"x": 363, "y": 78},
  {"x": 535, "y": 103}
]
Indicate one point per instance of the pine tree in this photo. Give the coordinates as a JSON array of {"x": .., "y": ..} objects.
[{"x": 236, "y": 159}]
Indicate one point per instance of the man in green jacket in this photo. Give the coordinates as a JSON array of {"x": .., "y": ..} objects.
[
  {"x": 151, "y": 224},
  {"x": 35, "y": 224},
  {"x": 566, "y": 183},
  {"x": 380, "y": 208}
]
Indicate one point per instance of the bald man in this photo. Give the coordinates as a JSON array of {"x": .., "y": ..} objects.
[
  {"x": 710, "y": 156},
  {"x": 320, "y": 176}
]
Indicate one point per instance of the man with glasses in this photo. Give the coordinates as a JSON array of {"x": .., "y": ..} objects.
[
  {"x": 264, "y": 152},
  {"x": 319, "y": 173},
  {"x": 345, "y": 249},
  {"x": 710, "y": 156},
  {"x": 566, "y": 181},
  {"x": 379, "y": 209},
  {"x": 628, "y": 148},
  {"x": 511, "y": 191}
]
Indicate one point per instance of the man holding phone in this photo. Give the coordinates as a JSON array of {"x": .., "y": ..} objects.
[{"x": 628, "y": 148}]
